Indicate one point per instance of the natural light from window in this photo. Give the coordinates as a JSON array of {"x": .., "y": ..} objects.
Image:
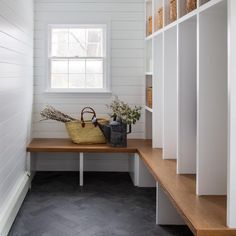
[{"x": 77, "y": 57}]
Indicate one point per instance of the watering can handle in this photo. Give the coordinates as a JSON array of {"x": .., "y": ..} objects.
[{"x": 129, "y": 131}]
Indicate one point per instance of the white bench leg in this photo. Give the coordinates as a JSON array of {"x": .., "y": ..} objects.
[
  {"x": 81, "y": 169},
  {"x": 139, "y": 173}
]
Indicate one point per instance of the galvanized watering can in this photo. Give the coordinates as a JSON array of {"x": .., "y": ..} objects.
[{"x": 116, "y": 133}]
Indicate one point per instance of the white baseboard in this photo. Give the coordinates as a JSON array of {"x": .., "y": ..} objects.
[{"x": 13, "y": 204}]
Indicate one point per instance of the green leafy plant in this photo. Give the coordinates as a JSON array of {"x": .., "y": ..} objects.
[{"x": 123, "y": 112}]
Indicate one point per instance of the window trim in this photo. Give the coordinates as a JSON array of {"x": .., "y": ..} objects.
[{"x": 106, "y": 65}]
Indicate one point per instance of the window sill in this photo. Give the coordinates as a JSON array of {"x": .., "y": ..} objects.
[{"x": 76, "y": 91}]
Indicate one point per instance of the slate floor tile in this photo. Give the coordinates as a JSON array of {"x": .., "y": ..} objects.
[{"x": 108, "y": 205}]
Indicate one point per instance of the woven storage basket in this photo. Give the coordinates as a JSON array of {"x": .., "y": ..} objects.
[
  {"x": 149, "y": 96},
  {"x": 160, "y": 18},
  {"x": 191, "y": 5},
  {"x": 173, "y": 10},
  {"x": 150, "y": 25},
  {"x": 85, "y": 131}
]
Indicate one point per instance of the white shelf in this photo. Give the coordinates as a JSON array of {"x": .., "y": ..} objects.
[
  {"x": 148, "y": 109},
  {"x": 149, "y": 73},
  {"x": 188, "y": 15},
  {"x": 209, "y": 4},
  {"x": 149, "y": 37}
]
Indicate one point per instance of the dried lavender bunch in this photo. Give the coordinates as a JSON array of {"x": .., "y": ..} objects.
[{"x": 50, "y": 113}]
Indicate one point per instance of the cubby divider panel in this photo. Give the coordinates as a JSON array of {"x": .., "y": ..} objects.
[
  {"x": 170, "y": 94},
  {"x": 187, "y": 97},
  {"x": 212, "y": 101}
]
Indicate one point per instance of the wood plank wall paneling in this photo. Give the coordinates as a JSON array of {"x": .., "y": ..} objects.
[
  {"x": 125, "y": 18},
  {"x": 16, "y": 91}
]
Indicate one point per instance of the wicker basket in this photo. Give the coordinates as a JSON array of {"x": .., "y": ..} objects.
[
  {"x": 191, "y": 5},
  {"x": 149, "y": 96},
  {"x": 86, "y": 132},
  {"x": 149, "y": 25},
  {"x": 173, "y": 10},
  {"x": 160, "y": 18}
]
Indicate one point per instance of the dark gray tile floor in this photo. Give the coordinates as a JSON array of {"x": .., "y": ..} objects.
[{"x": 107, "y": 205}]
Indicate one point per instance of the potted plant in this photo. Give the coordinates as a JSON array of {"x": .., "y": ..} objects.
[{"x": 123, "y": 116}]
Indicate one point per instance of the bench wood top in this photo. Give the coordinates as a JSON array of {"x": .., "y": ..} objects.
[{"x": 205, "y": 215}]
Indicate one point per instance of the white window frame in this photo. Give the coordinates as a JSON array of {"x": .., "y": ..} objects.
[{"x": 106, "y": 60}]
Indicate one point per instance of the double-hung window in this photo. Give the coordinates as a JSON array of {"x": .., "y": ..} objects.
[{"x": 77, "y": 58}]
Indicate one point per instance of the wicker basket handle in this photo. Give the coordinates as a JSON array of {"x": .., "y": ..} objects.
[{"x": 89, "y": 110}]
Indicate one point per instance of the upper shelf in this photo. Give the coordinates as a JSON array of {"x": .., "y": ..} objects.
[{"x": 172, "y": 15}]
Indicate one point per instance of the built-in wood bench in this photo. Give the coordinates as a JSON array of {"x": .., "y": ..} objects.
[{"x": 205, "y": 215}]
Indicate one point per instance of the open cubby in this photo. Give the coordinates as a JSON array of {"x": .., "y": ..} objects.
[
  {"x": 166, "y": 12},
  {"x": 202, "y": 2},
  {"x": 149, "y": 61},
  {"x": 148, "y": 127},
  {"x": 148, "y": 85},
  {"x": 167, "y": 9},
  {"x": 170, "y": 94},
  {"x": 212, "y": 101},
  {"x": 183, "y": 8},
  {"x": 148, "y": 13},
  {"x": 158, "y": 4},
  {"x": 187, "y": 97}
]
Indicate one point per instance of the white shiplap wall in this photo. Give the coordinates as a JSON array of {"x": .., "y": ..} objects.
[
  {"x": 16, "y": 90},
  {"x": 125, "y": 20}
]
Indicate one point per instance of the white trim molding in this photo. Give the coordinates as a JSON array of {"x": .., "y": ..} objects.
[
  {"x": 13, "y": 204},
  {"x": 105, "y": 58},
  {"x": 231, "y": 186}
]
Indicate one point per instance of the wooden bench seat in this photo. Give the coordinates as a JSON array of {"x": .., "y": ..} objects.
[{"x": 205, "y": 215}]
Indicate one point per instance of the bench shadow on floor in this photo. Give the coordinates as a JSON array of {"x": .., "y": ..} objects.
[{"x": 107, "y": 205}]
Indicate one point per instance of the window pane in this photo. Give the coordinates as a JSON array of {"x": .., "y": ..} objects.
[
  {"x": 80, "y": 42},
  {"x": 59, "y": 66},
  {"x": 95, "y": 35},
  {"x": 77, "y": 35},
  {"x": 94, "y": 81},
  {"x": 59, "y": 50},
  {"x": 94, "y": 50},
  {"x": 60, "y": 36},
  {"x": 94, "y": 42},
  {"x": 59, "y": 42},
  {"x": 77, "y": 42},
  {"x": 77, "y": 66},
  {"x": 59, "y": 81},
  {"x": 76, "y": 50},
  {"x": 94, "y": 66},
  {"x": 77, "y": 81}
]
